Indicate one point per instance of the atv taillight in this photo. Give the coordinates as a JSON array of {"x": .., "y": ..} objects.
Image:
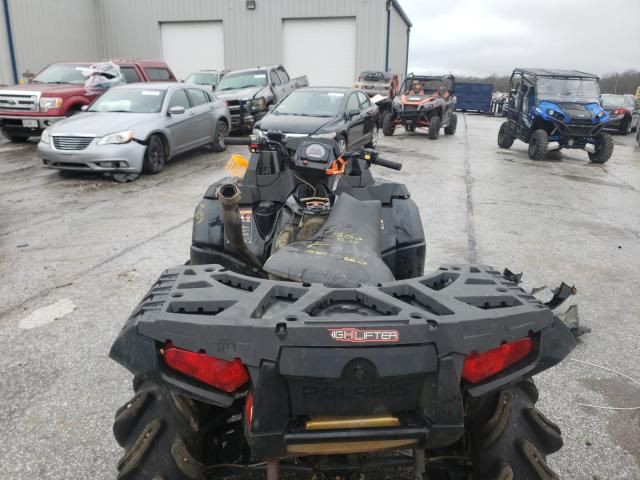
[
  {"x": 221, "y": 374},
  {"x": 479, "y": 366},
  {"x": 620, "y": 111}
]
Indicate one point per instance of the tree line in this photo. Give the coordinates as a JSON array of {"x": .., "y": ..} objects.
[{"x": 624, "y": 82}]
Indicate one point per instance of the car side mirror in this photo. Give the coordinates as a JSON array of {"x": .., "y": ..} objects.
[
  {"x": 84, "y": 108},
  {"x": 270, "y": 107},
  {"x": 177, "y": 110},
  {"x": 213, "y": 88}
]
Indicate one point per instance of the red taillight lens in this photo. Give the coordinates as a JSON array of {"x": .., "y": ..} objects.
[
  {"x": 248, "y": 410},
  {"x": 479, "y": 366},
  {"x": 221, "y": 374},
  {"x": 620, "y": 111}
]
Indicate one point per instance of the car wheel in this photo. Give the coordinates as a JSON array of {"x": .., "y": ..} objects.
[
  {"x": 434, "y": 127},
  {"x": 155, "y": 156},
  {"x": 374, "y": 139},
  {"x": 342, "y": 143},
  {"x": 538, "y": 145},
  {"x": 219, "y": 136},
  {"x": 14, "y": 138},
  {"x": 625, "y": 127}
]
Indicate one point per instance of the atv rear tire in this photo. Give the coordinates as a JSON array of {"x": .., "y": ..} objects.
[
  {"x": 434, "y": 127},
  {"x": 387, "y": 125},
  {"x": 453, "y": 125},
  {"x": 538, "y": 145},
  {"x": 509, "y": 437},
  {"x": 604, "y": 149},
  {"x": 505, "y": 139},
  {"x": 160, "y": 433}
]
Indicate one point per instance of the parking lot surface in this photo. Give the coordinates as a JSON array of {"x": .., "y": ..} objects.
[{"x": 78, "y": 252}]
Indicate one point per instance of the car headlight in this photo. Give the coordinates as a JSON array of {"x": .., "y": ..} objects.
[
  {"x": 50, "y": 103},
  {"x": 258, "y": 103},
  {"x": 324, "y": 135},
  {"x": 45, "y": 137},
  {"x": 115, "y": 138}
]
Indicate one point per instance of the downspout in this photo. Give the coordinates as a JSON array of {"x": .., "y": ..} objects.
[
  {"x": 406, "y": 62},
  {"x": 386, "y": 58},
  {"x": 12, "y": 52}
]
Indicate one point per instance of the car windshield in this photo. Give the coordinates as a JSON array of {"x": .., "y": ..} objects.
[
  {"x": 235, "y": 81},
  {"x": 568, "y": 89},
  {"x": 417, "y": 86},
  {"x": 311, "y": 104},
  {"x": 612, "y": 101},
  {"x": 129, "y": 100},
  {"x": 62, "y": 73},
  {"x": 202, "y": 79}
]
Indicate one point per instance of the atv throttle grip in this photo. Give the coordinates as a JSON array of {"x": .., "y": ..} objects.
[
  {"x": 388, "y": 163},
  {"x": 237, "y": 141}
]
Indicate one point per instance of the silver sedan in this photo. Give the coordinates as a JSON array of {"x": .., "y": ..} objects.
[{"x": 136, "y": 128}]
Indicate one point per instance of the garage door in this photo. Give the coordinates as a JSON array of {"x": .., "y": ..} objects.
[
  {"x": 191, "y": 46},
  {"x": 324, "y": 49}
]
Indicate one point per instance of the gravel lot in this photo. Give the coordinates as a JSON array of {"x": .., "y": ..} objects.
[{"x": 86, "y": 249}]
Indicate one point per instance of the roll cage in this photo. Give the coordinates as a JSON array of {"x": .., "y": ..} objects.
[
  {"x": 448, "y": 82},
  {"x": 524, "y": 79}
]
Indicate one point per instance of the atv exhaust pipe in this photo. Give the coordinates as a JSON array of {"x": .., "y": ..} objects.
[{"x": 229, "y": 196}]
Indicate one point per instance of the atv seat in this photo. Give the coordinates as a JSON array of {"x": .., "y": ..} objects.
[{"x": 344, "y": 253}]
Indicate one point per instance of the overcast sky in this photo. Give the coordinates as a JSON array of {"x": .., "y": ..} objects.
[{"x": 481, "y": 37}]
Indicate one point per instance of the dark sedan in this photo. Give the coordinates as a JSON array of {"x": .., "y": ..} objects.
[
  {"x": 345, "y": 114},
  {"x": 624, "y": 108}
]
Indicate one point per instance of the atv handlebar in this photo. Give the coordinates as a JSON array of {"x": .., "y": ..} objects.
[
  {"x": 369, "y": 155},
  {"x": 237, "y": 141},
  {"x": 388, "y": 164}
]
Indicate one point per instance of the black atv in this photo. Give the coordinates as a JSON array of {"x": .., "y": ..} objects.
[{"x": 309, "y": 342}]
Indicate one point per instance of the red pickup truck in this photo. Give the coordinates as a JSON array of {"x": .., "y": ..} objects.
[{"x": 58, "y": 92}]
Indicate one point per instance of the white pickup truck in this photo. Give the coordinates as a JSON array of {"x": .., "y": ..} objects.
[{"x": 249, "y": 93}]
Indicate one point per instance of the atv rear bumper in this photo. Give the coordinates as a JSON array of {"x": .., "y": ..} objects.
[{"x": 312, "y": 352}]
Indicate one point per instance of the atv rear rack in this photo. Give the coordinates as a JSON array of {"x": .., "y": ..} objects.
[{"x": 458, "y": 308}]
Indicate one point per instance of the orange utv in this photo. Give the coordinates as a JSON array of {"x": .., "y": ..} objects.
[{"x": 426, "y": 102}]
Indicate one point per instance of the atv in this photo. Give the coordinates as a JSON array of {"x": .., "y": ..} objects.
[
  {"x": 556, "y": 109},
  {"x": 424, "y": 102},
  {"x": 302, "y": 338}
]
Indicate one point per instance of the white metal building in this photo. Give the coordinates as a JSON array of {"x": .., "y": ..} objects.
[{"x": 328, "y": 40}]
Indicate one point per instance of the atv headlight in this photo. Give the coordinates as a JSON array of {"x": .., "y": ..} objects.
[
  {"x": 600, "y": 114},
  {"x": 116, "y": 138},
  {"x": 49, "y": 103},
  {"x": 45, "y": 137},
  {"x": 324, "y": 135},
  {"x": 551, "y": 112}
]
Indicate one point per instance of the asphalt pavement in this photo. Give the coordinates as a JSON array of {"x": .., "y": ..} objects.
[{"x": 78, "y": 252}]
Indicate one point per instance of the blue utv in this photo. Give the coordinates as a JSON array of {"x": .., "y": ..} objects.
[{"x": 556, "y": 109}]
